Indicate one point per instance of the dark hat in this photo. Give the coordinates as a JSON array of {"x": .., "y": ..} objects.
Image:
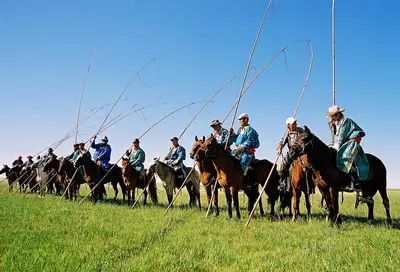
[
  {"x": 215, "y": 123},
  {"x": 136, "y": 141},
  {"x": 19, "y": 157},
  {"x": 76, "y": 145},
  {"x": 29, "y": 157},
  {"x": 50, "y": 149},
  {"x": 82, "y": 144},
  {"x": 105, "y": 139},
  {"x": 174, "y": 138}
]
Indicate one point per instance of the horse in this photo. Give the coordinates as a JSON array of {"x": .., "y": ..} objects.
[
  {"x": 231, "y": 178},
  {"x": 55, "y": 179},
  {"x": 134, "y": 179},
  {"x": 94, "y": 173},
  {"x": 323, "y": 159},
  {"x": 171, "y": 181},
  {"x": 301, "y": 181},
  {"x": 12, "y": 174},
  {"x": 71, "y": 183},
  {"x": 208, "y": 175}
]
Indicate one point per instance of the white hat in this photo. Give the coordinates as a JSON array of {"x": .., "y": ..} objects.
[
  {"x": 290, "y": 120},
  {"x": 243, "y": 115},
  {"x": 333, "y": 110}
]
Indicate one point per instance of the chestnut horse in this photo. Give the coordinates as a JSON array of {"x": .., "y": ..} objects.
[
  {"x": 231, "y": 178},
  {"x": 323, "y": 159},
  {"x": 67, "y": 170},
  {"x": 133, "y": 179},
  {"x": 208, "y": 175},
  {"x": 94, "y": 173}
]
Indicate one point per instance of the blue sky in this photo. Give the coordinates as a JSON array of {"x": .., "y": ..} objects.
[{"x": 198, "y": 45}]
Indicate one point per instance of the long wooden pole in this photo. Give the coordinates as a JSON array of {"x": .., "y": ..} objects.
[{"x": 333, "y": 55}]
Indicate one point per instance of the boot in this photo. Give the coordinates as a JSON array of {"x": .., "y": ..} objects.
[{"x": 282, "y": 183}]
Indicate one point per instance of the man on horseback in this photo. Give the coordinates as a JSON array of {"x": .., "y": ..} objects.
[
  {"x": 83, "y": 150},
  {"x": 18, "y": 162},
  {"x": 75, "y": 154},
  {"x": 102, "y": 154},
  {"x": 283, "y": 166},
  {"x": 136, "y": 156},
  {"x": 220, "y": 134},
  {"x": 47, "y": 157},
  {"x": 176, "y": 156},
  {"x": 29, "y": 162},
  {"x": 246, "y": 140},
  {"x": 346, "y": 139}
]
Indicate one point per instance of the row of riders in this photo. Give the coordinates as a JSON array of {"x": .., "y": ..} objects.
[{"x": 219, "y": 166}]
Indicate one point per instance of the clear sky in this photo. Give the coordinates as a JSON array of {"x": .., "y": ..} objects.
[{"x": 198, "y": 45}]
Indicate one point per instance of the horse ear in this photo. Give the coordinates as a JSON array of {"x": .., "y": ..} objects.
[
  {"x": 195, "y": 138},
  {"x": 204, "y": 138},
  {"x": 307, "y": 130}
]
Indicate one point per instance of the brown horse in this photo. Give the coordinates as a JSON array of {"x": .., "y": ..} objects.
[
  {"x": 94, "y": 173},
  {"x": 230, "y": 176},
  {"x": 323, "y": 159},
  {"x": 208, "y": 175},
  {"x": 54, "y": 178},
  {"x": 301, "y": 181},
  {"x": 134, "y": 179}
]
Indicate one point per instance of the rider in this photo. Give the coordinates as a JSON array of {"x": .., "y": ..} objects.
[
  {"x": 220, "y": 134},
  {"x": 47, "y": 157},
  {"x": 246, "y": 140},
  {"x": 75, "y": 154},
  {"x": 18, "y": 162},
  {"x": 83, "y": 150},
  {"x": 136, "y": 156},
  {"x": 284, "y": 165},
  {"x": 29, "y": 162},
  {"x": 102, "y": 152},
  {"x": 346, "y": 138},
  {"x": 176, "y": 156}
]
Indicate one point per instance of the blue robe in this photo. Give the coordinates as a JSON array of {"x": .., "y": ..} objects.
[
  {"x": 349, "y": 152},
  {"x": 246, "y": 138},
  {"x": 102, "y": 153},
  {"x": 176, "y": 156},
  {"x": 137, "y": 158}
]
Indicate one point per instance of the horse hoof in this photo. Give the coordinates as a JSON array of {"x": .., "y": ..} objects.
[{"x": 370, "y": 221}]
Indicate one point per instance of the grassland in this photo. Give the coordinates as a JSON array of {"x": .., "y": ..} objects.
[{"x": 37, "y": 234}]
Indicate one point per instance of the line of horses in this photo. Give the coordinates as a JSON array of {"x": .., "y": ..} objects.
[{"x": 314, "y": 166}]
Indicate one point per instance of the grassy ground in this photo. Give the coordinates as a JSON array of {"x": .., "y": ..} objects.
[{"x": 37, "y": 234}]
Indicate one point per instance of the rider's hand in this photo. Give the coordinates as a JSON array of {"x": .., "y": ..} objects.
[{"x": 127, "y": 153}]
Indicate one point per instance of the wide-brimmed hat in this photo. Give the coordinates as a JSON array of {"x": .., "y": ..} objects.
[
  {"x": 105, "y": 139},
  {"x": 333, "y": 110},
  {"x": 174, "y": 138},
  {"x": 215, "y": 123},
  {"x": 29, "y": 157},
  {"x": 136, "y": 141},
  {"x": 243, "y": 115},
  {"x": 290, "y": 120}
]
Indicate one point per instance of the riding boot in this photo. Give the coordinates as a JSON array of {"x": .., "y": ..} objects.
[{"x": 282, "y": 183}]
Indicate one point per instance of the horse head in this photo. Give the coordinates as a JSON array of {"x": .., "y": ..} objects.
[
  {"x": 5, "y": 169},
  {"x": 125, "y": 167},
  {"x": 52, "y": 164},
  {"x": 303, "y": 144},
  {"x": 65, "y": 165},
  {"x": 82, "y": 160},
  {"x": 196, "y": 145},
  {"x": 208, "y": 149}
]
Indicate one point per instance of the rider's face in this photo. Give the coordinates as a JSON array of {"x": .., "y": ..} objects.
[
  {"x": 244, "y": 121},
  {"x": 292, "y": 127}
]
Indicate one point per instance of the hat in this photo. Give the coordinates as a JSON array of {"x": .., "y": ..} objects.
[
  {"x": 174, "y": 138},
  {"x": 76, "y": 145},
  {"x": 29, "y": 157},
  {"x": 19, "y": 157},
  {"x": 136, "y": 141},
  {"x": 290, "y": 120},
  {"x": 333, "y": 110},
  {"x": 105, "y": 139},
  {"x": 243, "y": 115},
  {"x": 50, "y": 149},
  {"x": 215, "y": 123},
  {"x": 82, "y": 144}
]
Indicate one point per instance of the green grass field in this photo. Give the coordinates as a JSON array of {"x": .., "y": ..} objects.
[{"x": 37, "y": 234}]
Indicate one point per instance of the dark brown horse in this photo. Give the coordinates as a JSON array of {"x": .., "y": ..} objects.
[
  {"x": 94, "y": 173},
  {"x": 54, "y": 179},
  {"x": 323, "y": 159},
  {"x": 12, "y": 174},
  {"x": 73, "y": 178},
  {"x": 208, "y": 175},
  {"x": 134, "y": 179},
  {"x": 230, "y": 176}
]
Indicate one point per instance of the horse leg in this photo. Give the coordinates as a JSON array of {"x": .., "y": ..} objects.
[
  {"x": 308, "y": 205},
  {"x": 208, "y": 192},
  {"x": 228, "y": 201},
  {"x": 260, "y": 204},
  {"x": 335, "y": 218},
  {"x": 235, "y": 195},
  {"x": 115, "y": 187},
  {"x": 386, "y": 204},
  {"x": 296, "y": 202},
  {"x": 145, "y": 193},
  {"x": 216, "y": 200},
  {"x": 370, "y": 211}
]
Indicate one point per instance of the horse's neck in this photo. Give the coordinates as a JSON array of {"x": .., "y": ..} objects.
[
  {"x": 164, "y": 171},
  {"x": 321, "y": 156},
  {"x": 223, "y": 161}
]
